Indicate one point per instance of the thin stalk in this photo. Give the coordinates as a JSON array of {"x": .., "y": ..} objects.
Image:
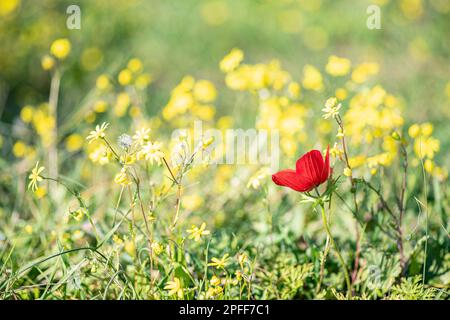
[
  {"x": 338, "y": 254},
  {"x": 53, "y": 113}
]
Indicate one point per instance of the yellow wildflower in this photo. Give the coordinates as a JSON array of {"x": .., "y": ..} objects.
[
  {"x": 214, "y": 281},
  {"x": 205, "y": 91},
  {"x": 79, "y": 214},
  {"x": 196, "y": 233},
  {"x": 125, "y": 76},
  {"x": 157, "y": 248},
  {"x": 28, "y": 229},
  {"x": 74, "y": 143},
  {"x": 142, "y": 136},
  {"x": 426, "y": 147},
  {"x": 98, "y": 133},
  {"x": 60, "y": 48},
  {"x": 100, "y": 106},
  {"x": 151, "y": 151},
  {"x": 219, "y": 263},
  {"x": 122, "y": 178},
  {"x": 312, "y": 79},
  {"x": 363, "y": 71},
  {"x": 175, "y": 287},
  {"x": 35, "y": 177},
  {"x": 47, "y": 62},
  {"x": 123, "y": 101},
  {"x": 135, "y": 65},
  {"x": 232, "y": 60},
  {"x": 103, "y": 82},
  {"x": 338, "y": 66},
  {"x": 143, "y": 80},
  {"x": 331, "y": 109}
]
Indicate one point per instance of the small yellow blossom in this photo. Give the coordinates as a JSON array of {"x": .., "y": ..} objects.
[
  {"x": 98, "y": 133},
  {"x": 47, "y": 62},
  {"x": 19, "y": 149},
  {"x": 74, "y": 143},
  {"x": 341, "y": 94},
  {"x": 192, "y": 202},
  {"x": 157, "y": 248},
  {"x": 103, "y": 82},
  {"x": 123, "y": 101},
  {"x": 26, "y": 114},
  {"x": 414, "y": 130},
  {"x": 205, "y": 91},
  {"x": 40, "y": 192},
  {"x": 60, "y": 48},
  {"x": 332, "y": 108},
  {"x": 100, "y": 106},
  {"x": 214, "y": 281},
  {"x": 135, "y": 65},
  {"x": 196, "y": 233},
  {"x": 294, "y": 89},
  {"x": 125, "y": 76},
  {"x": 28, "y": 229},
  {"x": 338, "y": 66},
  {"x": 130, "y": 247},
  {"x": 79, "y": 214},
  {"x": 175, "y": 287},
  {"x": 142, "y": 136},
  {"x": 143, "y": 80},
  {"x": 151, "y": 151},
  {"x": 242, "y": 258},
  {"x": 232, "y": 60},
  {"x": 122, "y": 178},
  {"x": 428, "y": 165},
  {"x": 426, "y": 147},
  {"x": 363, "y": 71},
  {"x": 426, "y": 129},
  {"x": 100, "y": 155},
  {"x": 219, "y": 263},
  {"x": 312, "y": 79},
  {"x": 35, "y": 177}
]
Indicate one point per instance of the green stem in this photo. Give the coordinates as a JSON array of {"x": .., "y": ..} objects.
[{"x": 341, "y": 260}]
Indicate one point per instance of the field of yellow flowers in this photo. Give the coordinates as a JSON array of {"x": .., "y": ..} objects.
[{"x": 120, "y": 177}]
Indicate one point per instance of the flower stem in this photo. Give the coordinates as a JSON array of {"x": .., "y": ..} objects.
[
  {"x": 53, "y": 112},
  {"x": 341, "y": 260}
]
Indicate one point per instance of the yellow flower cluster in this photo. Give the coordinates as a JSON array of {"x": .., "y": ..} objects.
[
  {"x": 371, "y": 118},
  {"x": 252, "y": 77},
  {"x": 126, "y": 100},
  {"x": 135, "y": 148},
  {"x": 39, "y": 119},
  {"x": 278, "y": 96},
  {"x": 59, "y": 49},
  {"x": 425, "y": 147},
  {"x": 191, "y": 99}
]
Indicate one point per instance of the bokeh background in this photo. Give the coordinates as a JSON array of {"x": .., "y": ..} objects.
[{"x": 173, "y": 39}]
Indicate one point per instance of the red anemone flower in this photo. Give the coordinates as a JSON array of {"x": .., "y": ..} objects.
[{"x": 310, "y": 172}]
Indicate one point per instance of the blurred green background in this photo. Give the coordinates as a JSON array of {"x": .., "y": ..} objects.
[{"x": 175, "y": 38}]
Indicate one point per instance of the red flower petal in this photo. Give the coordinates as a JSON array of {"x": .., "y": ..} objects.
[
  {"x": 290, "y": 178},
  {"x": 311, "y": 165},
  {"x": 326, "y": 171}
]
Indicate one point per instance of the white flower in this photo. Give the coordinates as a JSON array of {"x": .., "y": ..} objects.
[
  {"x": 152, "y": 152},
  {"x": 98, "y": 133},
  {"x": 331, "y": 109},
  {"x": 142, "y": 136},
  {"x": 35, "y": 177}
]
